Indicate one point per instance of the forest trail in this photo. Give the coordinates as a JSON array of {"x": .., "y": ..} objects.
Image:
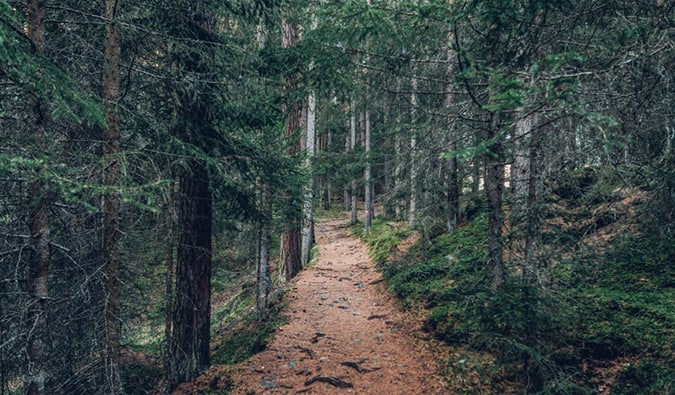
[{"x": 344, "y": 334}]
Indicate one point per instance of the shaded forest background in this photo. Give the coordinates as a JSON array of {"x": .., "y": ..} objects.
[{"x": 158, "y": 155}]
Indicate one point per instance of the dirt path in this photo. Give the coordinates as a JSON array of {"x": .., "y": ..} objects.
[{"x": 344, "y": 335}]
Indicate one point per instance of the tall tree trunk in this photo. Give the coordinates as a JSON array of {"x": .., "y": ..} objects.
[
  {"x": 494, "y": 185},
  {"x": 368, "y": 188},
  {"x": 191, "y": 323},
  {"x": 414, "y": 159},
  {"x": 263, "y": 272},
  {"x": 263, "y": 269},
  {"x": 38, "y": 227},
  {"x": 289, "y": 261},
  {"x": 345, "y": 192},
  {"x": 111, "y": 198},
  {"x": 453, "y": 192},
  {"x": 169, "y": 289},
  {"x": 352, "y": 131},
  {"x": 192, "y": 307},
  {"x": 398, "y": 177},
  {"x": 533, "y": 228},
  {"x": 308, "y": 218},
  {"x": 525, "y": 180}
]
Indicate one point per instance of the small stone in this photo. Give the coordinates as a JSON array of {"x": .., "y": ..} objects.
[{"x": 267, "y": 384}]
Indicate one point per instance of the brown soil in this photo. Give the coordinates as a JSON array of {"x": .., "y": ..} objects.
[{"x": 344, "y": 334}]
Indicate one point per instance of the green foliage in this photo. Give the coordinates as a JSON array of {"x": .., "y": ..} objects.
[
  {"x": 382, "y": 238},
  {"x": 621, "y": 304},
  {"x": 646, "y": 377},
  {"x": 37, "y": 75},
  {"x": 624, "y": 300},
  {"x": 141, "y": 378},
  {"x": 242, "y": 332},
  {"x": 442, "y": 273}
]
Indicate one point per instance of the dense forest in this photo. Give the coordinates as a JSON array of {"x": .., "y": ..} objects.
[{"x": 155, "y": 154}]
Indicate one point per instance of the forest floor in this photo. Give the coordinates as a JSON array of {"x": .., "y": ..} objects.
[{"x": 344, "y": 334}]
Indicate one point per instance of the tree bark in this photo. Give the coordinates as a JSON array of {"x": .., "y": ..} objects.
[
  {"x": 263, "y": 272},
  {"x": 346, "y": 198},
  {"x": 38, "y": 227},
  {"x": 290, "y": 261},
  {"x": 368, "y": 188},
  {"x": 453, "y": 192},
  {"x": 494, "y": 185},
  {"x": 192, "y": 307},
  {"x": 169, "y": 295},
  {"x": 398, "y": 177},
  {"x": 414, "y": 160},
  {"x": 524, "y": 177},
  {"x": 111, "y": 199},
  {"x": 352, "y": 131},
  {"x": 308, "y": 218}
]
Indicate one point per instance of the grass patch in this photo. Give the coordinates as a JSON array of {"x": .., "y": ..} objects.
[{"x": 382, "y": 238}]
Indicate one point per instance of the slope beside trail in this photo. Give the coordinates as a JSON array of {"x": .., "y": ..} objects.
[{"x": 344, "y": 334}]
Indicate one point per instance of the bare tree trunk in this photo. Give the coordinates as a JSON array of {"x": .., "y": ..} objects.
[
  {"x": 414, "y": 160},
  {"x": 263, "y": 272},
  {"x": 111, "y": 198},
  {"x": 453, "y": 192},
  {"x": 367, "y": 175},
  {"x": 192, "y": 307},
  {"x": 398, "y": 178},
  {"x": 263, "y": 269},
  {"x": 290, "y": 261},
  {"x": 524, "y": 183},
  {"x": 531, "y": 270},
  {"x": 345, "y": 192},
  {"x": 308, "y": 218},
  {"x": 352, "y": 131},
  {"x": 169, "y": 290},
  {"x": 494, "y": 185},
  {"x": 38, "y": 227}
]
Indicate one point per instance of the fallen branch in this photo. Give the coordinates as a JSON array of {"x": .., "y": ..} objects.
[
  {"x": 307, "y": 351},
  {"x": 334, "y": 381},
  {"x": 356, "y": 366}
]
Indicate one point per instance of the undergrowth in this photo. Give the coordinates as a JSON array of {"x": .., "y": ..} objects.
[
  {"x": 609, "y": 305},
  {"x": 243, "y": 332}
]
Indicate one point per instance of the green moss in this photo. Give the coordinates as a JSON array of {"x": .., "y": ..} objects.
[{"x": 382, "y": 238}]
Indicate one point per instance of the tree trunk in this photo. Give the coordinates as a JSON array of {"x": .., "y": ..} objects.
[
  {"x": 111, "y": 199},
  {"x": 453, "y": 192},
  {"x": 368, "y": 192},
  {"x": 414, "y": 160},
  {"x": 290, "y": 261},
  {"x": 38, "y": 227},
  {"x": 263, "y": 272},
  {"x": 494, "y": 185},
  {"x": 398, "y": 178},
  {"x": 169, "y": 289},
  {"x": 308, "y": 218},
  {"x": 521, "y": 178},
  {"x": 352, "y": 131},
  {"x": 192, "y": 307}
]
